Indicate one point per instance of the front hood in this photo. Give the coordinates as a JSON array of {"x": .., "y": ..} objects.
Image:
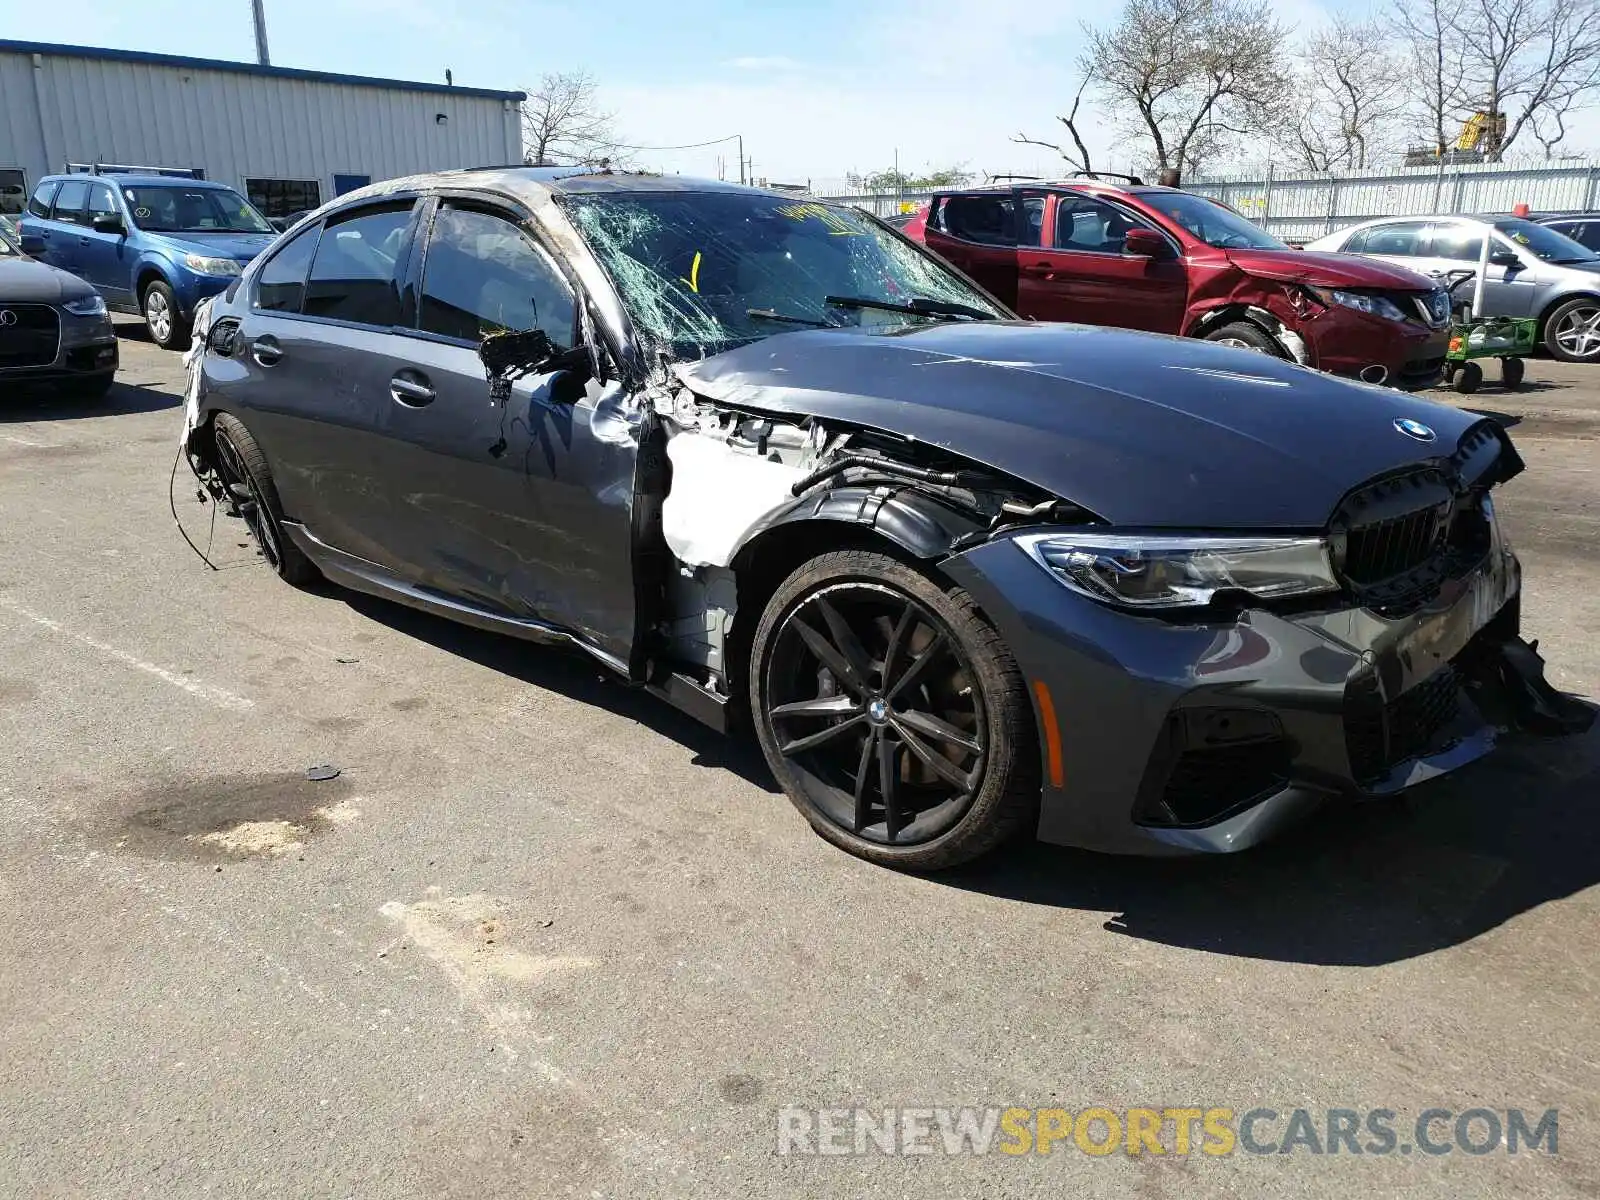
[
  {"x": 24, "y": 281},
  {"x": 241, "y": 247},
  {"x": 1329, "y": 270},
  {"x": 1144, "y": 430}
]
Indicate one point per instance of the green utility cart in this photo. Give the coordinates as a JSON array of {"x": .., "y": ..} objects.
[{"x": 1472, "y": 336}]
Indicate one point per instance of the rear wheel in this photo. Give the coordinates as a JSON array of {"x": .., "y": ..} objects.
[
  {"x": 244, "y": 472},
  {"x": 1511, "y": 372},
  {"x": 892, "y": 713},
  {"x": 1572, "y": 332},
  {"x": 1245, "y": 336},
  {"x": 164, "y": 318}
]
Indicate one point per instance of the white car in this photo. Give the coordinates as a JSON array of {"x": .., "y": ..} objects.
[{"x": 1534, "y": 271}]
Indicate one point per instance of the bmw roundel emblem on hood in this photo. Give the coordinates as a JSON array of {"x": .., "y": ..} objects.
[{"x": 1413, "y": 429}]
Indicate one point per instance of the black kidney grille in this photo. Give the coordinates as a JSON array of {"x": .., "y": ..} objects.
[
  {"x": 30, "y": 337},
  {"x": 1392, "y": 547},
  {"x": 1380, "y": 736}
]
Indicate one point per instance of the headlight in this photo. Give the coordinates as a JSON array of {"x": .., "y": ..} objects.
[
  {"x": 1177, "y": 572},
  {"x": 1378, "y": 306},
  {"x": 202, "y": 265},
  {"x": 87, "y": 306}
]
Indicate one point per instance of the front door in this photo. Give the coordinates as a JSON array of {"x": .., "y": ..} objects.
[
  {"x": 525, "y": 507},
  {"x": 103, "y": 257},
  {"x": 1508, "y": 285},
  {"x": 1083, "y": 272}
]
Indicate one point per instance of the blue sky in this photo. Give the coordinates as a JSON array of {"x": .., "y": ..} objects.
[{"x": 818, "y": 88}]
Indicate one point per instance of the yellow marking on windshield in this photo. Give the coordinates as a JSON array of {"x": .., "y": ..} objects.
[{"x": 694, "y": 275}]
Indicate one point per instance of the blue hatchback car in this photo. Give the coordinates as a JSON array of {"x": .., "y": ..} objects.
[{"x": 154, "y": 245}]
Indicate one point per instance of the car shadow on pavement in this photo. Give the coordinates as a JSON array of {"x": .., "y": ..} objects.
[
  {"x": 1358, "y": 884},
  {"x": 124, "y": 399},
  {"x": 569, "y": 672}
]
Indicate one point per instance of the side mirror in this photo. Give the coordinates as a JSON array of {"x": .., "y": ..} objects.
[
  {"x": 1504, "y": 258},
  {"x": 510, "y": 356},
  {"x": 108, "y": 223},
  {"x": 1146, "y": 243}
]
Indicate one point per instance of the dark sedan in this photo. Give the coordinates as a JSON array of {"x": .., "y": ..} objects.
[
  {"x": 966, "y": 576},
  {"x": 54, "y": 328}
]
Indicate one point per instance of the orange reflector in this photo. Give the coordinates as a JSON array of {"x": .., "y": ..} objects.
[{"x": 1052, "y": 732}]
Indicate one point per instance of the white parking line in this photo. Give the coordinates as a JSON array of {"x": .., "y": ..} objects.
[{"x": 221, "y": 697}]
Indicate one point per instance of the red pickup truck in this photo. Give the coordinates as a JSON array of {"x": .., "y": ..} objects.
[{"x": 1166, "y": 260}]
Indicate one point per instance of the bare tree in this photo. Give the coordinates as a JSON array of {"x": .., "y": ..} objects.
[
  {"x": 1346, "y": 87},
  {"x": 1526, "y": 64},
  {"x": 1080, "y": 159},
  {"x": 563, "y": 123},
  {"x": 1189, "y": 76},
  {"x": 1433, "y": 48}
]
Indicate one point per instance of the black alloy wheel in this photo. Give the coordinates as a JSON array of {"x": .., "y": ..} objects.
[
  {"x": 243, "y": 470},
  {"x": 876, "y": 714}
]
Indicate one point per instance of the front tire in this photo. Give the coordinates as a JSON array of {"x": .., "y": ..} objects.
[
  {"x": 244, "y": 471},
  {"x": 1572, "y": 332},
  {"x": 892, "y": 713},
  {"x": 1245, "y": 336},
  {"x": 164, "y": 318}
]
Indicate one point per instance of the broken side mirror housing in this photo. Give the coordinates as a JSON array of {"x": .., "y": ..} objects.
[
  {"x": 515, "y": 354},
  {"x": 1146, "y": 243}
]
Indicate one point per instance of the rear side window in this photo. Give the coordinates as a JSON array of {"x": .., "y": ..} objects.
[
  {"x": 1585, "y": 233},
  {"x": 484, "y": 275},
  {"x": 1405, "y": 240},
  {"x": 355, "y": 275},
  {"x": 69, "y": 201},
  {"x": 39, "y": 206},
  {"x": 282, "y": 283},
  {"x": 982, "y": 219}
]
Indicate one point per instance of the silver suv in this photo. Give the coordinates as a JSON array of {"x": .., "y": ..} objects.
[{"x": 1534, "y": 271}]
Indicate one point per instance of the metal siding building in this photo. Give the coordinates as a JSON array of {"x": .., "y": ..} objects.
[{"x": 240, "y": 124}]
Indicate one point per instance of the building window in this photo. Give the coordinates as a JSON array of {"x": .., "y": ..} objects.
[{"x": 283, "y": 197}]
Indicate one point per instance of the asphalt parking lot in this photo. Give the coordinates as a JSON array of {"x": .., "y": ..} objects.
[{"x": 545, "y": 937}]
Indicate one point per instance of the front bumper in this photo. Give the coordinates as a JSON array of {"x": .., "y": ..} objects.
[
  {"x": 1346, "y": 342},
  {"x": 1209, "y": 736},
  {"x": 87, "y": 349},
  {"x": 192, "y": 289}
]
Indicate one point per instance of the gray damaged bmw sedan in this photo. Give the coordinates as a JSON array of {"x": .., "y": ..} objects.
[
  {"x": 967, "y": 577},
  {"x": 54, "y": 328}
]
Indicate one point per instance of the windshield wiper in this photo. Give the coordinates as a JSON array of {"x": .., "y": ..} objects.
[
  {"x": 920, "y": 306},
  {"x": 768, "y": 314}
]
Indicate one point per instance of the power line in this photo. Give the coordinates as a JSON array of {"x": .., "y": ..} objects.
[{"x": 692, "y": 146}]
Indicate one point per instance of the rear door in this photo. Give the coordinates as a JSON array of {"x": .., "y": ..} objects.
[
  {"x": 315, "y": 356},
  {"x": 33, "y": 230},
  {"x": 104, "y": 258},
  {"x": 1083, "y": 273},
  {"x": 977, "y": 232},
  {"x": 525, "y": 507},
  {"x": 64, "y": 228}
]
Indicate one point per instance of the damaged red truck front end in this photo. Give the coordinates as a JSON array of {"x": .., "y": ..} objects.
[{"x": 1169, "y": 261}]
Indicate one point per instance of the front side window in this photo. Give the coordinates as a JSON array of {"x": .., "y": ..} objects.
[
  {"x": 1543, "y": 242},
  {"x": 484, "y": 275},
  {"x": 1090, "y": 225},
  {"x": 355, "y": 275},
  {"x": 1212, "y": 222},
  {"x": 39, "y": 206},
  {"x": 282, "y": 283},
  {"x": 702, "y": 271},
  {"x": 101, "y": 202},
  {"x": 69, "y": 201},
  {"x": 1458, "y": 243},
  {"x": 169, "y": 208},
  {"x": 284, "y": 197}
]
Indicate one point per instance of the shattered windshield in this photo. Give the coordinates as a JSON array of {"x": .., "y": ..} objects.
[
  {"x": 159, "y": 208},
  {"x": 700, "y": 272},
  {"x": 1213, "y": 223}
]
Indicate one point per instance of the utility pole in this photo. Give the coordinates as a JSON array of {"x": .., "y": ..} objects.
[
  {"x": 741, "y": 158},
  {"x": 262, "y": 57}
]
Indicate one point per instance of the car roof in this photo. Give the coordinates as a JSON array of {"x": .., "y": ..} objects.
[
  {"x": 121, "y": 178},
  {"x": 537, "y": 184}
]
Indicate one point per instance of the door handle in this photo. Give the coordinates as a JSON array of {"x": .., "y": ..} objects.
[
  {"x": 83, "y": 241},
  {"x": 411, "y": 389},
  {"x": 266, "y": 351}
]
